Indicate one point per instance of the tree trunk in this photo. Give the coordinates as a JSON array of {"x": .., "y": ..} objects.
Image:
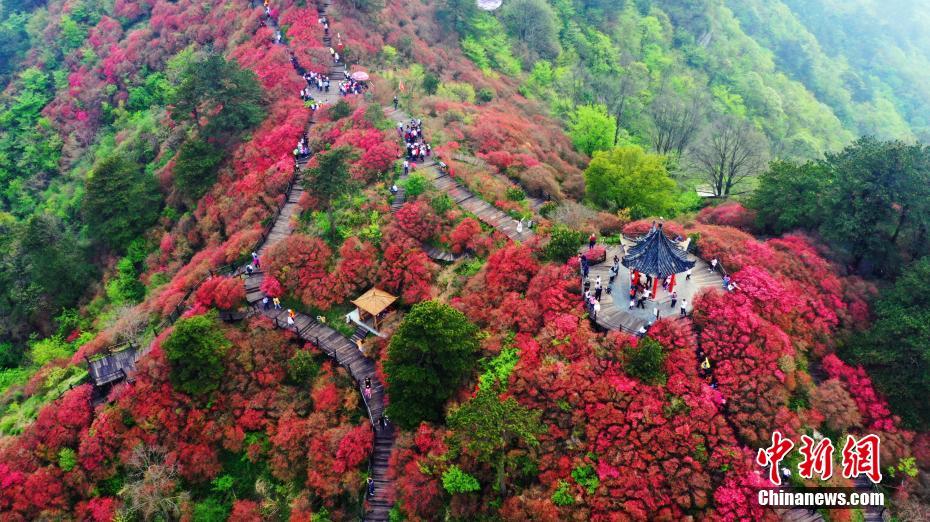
[
  {"x": 501, "y": 486},
  {"x": 897, "y": 229},
  {"x": 332, "y": 223}
]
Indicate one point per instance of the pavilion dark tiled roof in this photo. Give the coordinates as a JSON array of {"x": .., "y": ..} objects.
[{"x": 655, "y": 254}]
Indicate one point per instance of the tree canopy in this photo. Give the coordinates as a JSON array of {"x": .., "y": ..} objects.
[
  {"x": 896, "y": 349},
  {"x": 195, "y": 350},
  {"x": 592, "y": 129},
  {"x": 870, "y": 202},
  {"x": 430, "y": 354},
  {"x": 627, "y": 177},
  {"x": 120, "y": 201},
  {"x": 211, "y": 87},
  {"x": 329, "y": 180},
  {"x": 487, "y": 426}
]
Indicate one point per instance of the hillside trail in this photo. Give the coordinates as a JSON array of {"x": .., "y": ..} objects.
[
  {"x": 463, "y": 197},
  {"x": 343, "y": 350}
]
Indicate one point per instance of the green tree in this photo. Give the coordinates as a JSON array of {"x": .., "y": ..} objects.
[
  {"x": 329, "y": 180},
  {"x": 533, "y": 24},
  {"x": 195, "y": 351},
  {"x": 563, "y": 243},
  {"x": 429, "y": 356},
  {"x": 487, "y": 427},
  {"x": 430, "y": 83},
  {"x": 454, "y": 480},
  {"x": 645, "y": 361},
  {"x": 896, "y": 349},
  {"x": 790, "y": 196},
  {"x": 120, "y": 201},
  {"x": 302, "y": 367},
  {"x": 878, "y": 205},
  {"x": 591, "y": 128},
  {"x": 212, "y": 87},
  {"x": 457, "y": 15},
  {"x": 10, "y": 356},
  {"x": 53, "y": 263},
  {"x": 195, "y": 167},
  {"x": 628, "y": 177}
]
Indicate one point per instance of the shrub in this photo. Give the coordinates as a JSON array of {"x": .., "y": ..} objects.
[
  {"x": 49, "y": 349},
  {"x": 67, "y": 459},
  {"x": 586, "y": 477},
  {"x": 211, "y": 510},
  {"x": 454, "y": 480},
  {"x": 563, "y": 243},
  {"x": 340, "y": 110},
  {"x": 415, "y": 185},
  {"x": 562, "y": 495},
  {"x": 302, "y": 367},
  {"x": 646, "y": 361},
  {"x": 195, "y": 352}
]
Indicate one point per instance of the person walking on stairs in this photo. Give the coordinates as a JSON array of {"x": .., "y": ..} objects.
[
  {"x": 371, "y": 487},
  {"x": 395, "y": 103},
  {"x": 277, "y": 303},
  {"x": 290, "y": 319},
  {"x": 368, "y": 388}
]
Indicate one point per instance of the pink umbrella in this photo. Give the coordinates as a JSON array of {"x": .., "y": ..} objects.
[{"x": 360, "y": 76}]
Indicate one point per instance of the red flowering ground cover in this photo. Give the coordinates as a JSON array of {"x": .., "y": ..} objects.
[
  {"x": 324, "y": 450},
  {"x": 617, "y": 448}
]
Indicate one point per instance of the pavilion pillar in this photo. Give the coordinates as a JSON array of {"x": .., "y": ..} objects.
[
  {"x": 671, "y": 284},
  {"x": 655, "y": 287}
]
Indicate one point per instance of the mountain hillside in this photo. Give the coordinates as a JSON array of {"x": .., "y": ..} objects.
[{"x": 319, "y": 260}]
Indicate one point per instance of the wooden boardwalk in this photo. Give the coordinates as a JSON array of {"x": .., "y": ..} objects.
[
  {"x": 331, "y": 342},
  {"x": 462, "y": 196}
]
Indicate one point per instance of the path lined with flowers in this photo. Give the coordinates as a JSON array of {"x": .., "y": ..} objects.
[
  {"x": 335, "y": 345},
  {"x": 460, "y": 195}
]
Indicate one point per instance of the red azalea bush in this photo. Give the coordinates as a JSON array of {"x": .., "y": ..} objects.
[
  {"x": 419, "y": 493},
  {"x": 301, "y": 264},
  {"x": 635, "y": 229},
  {"x": 596, "y": 255},
  {"x": 729, "y": 214},
  {"x": 225, "y": 293},
  {"x": 418, "y": 220},
  {"x": 511, "y": 268},
  {"x": 464, "y": 236}
]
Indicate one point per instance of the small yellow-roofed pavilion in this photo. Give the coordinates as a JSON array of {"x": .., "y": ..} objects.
[{"x": 372, "y": 306}]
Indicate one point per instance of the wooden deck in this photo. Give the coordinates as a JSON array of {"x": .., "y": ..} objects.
[{"x": 615, "y": 310}]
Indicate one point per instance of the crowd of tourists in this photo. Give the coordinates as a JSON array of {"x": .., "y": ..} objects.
[{"x": 417, "y": 147}]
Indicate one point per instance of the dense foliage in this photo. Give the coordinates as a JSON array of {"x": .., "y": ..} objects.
[
  {"x": 147, "y": 143},
  {"x": 429, "y": 356},
  {"x": 896, "y": 349},
  {"x": 870, "y": 202}
]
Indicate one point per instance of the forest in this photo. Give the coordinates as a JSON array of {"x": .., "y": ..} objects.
[{"x": 147, "y": 156}]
